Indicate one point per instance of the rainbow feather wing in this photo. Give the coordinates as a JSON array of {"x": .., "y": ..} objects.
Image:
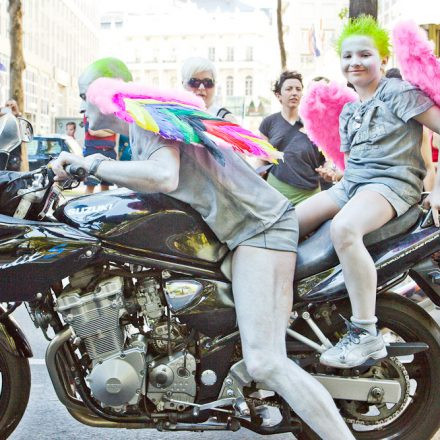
[{"x": 190, "y": 125}]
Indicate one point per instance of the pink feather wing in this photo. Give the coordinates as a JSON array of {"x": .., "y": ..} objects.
[
  {"x": 319, "y": 110},
  {"x": 415, "y": 54}
]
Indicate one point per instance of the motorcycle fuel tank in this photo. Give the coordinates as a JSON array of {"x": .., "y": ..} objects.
[{"x": 144, "y": 223}]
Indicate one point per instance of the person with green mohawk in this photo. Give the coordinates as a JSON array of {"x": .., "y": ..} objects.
[
  {"x": 381, "y": 135},
  {"x": 254, "y": 220},
  {"x": 101, "y": 141}
]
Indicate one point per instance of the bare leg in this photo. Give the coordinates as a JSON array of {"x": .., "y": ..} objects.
[
  {"x": 364, "y": 213},
  {"x": 262, "y": 284},
  {"x": 104, "y": 187},
  {"x": 314, "y": 211}
]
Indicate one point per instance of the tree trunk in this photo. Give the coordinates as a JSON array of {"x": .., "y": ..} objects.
[
  {"x": 359, "y": 7},
  {"x": 281, "y": 35},
  {"x": 17, "y": 64}
]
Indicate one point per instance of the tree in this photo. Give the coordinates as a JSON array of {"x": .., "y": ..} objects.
[
  {"x": 17, "y": 64},
  {"x": 280, "y": 27},
  {"x": 359, "y": 7}
]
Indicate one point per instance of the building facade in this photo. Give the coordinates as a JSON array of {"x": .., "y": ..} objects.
[
  {"x": 311, "y": 27},
  {"x": 60, "y": 38},
  {"x": 238, "y": 37},
  {"x": 426, "y": 13}
]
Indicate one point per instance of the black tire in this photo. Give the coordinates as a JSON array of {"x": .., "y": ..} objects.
[
  {"x": 420, "y": 419},
  {"x": 15, "y": 388}
]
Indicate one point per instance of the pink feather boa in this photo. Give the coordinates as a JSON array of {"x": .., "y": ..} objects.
[
  {"x": 415, "y": 54},
  {"x": 319, "y": 110},
  {"x": 108, "y": 94}
]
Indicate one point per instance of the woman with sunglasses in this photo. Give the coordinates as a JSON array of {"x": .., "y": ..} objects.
[{"x": 199, "y": 76}]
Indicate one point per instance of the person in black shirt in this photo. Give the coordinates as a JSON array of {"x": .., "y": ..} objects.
[{"x": 296, "y": 177}]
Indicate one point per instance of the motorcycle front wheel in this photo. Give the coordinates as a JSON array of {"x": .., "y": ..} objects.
[
  {"x": 15, "y": 385},
  {"x": 416, "y": 415}
]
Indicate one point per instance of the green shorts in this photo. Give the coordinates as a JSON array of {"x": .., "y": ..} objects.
[{"x": 294, "y": 194}]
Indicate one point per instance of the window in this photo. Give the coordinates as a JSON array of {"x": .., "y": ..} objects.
[
  {"x": 106, "y": 25},
  {"x": 229, "y": 86},
  {"x": 249, "y": 53},
  {"x": 230, "y": 54},
  {"x": 211, "y": 53},
  {"x": 248, "y": 86}
]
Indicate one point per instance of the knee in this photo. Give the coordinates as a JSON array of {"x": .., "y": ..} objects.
[
  {"x": 343, "y": 234},
  {"x": 262, "y": 368}
]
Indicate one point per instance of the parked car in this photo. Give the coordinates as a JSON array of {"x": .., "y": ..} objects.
[{"x": 44, "y": 148}]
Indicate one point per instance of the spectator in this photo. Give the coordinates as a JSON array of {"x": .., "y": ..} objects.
[
  {"x": 71, "y": 129},
  {"x": 18, "y": 158},
  {"x": 98, "y": 141},
  {"x": 12, "y": 104},
  {"x": 296, "y": 177},
  {"x": 199, "y": 77}
]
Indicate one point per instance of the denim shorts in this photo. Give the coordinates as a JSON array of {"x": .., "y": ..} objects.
[
  {"x": 281, "y": 236},
  {"x": 343, "y": 191}
]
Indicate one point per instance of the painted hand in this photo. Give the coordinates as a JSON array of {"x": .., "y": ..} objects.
[
  {"x": 62, "y": 161},
  {"x": 433, "y": 201}
]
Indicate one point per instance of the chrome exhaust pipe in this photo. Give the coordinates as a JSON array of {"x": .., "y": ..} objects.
[{"x": 57, "y": 342}]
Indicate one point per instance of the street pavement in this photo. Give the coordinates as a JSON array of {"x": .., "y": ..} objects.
[{"x": 46, "y": 418}]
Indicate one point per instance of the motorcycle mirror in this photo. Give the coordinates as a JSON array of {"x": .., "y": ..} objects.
[
  {"x": 4, "y": 158},
  {"x": 26, "y": 130}
]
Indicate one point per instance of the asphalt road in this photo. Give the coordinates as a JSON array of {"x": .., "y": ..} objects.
[{"x": 46, "y": 418}]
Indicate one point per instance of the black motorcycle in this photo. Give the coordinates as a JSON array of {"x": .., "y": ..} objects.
[{"x": 134, "y": 293}]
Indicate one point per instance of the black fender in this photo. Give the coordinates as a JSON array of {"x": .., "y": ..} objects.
[
  {"x": 12, "y": 338},
  {"x": 426, "y": 274}
]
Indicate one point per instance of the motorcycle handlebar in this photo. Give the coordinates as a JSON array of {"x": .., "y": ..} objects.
[{"x": 76, "y": 171}]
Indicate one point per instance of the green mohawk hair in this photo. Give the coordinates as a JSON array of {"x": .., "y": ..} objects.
[
  {"x": 106, "y": 67},
  {"x": 367, "y": 26}
]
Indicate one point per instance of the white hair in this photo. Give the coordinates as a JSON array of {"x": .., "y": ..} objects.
[{"x": 195, "y": 65}]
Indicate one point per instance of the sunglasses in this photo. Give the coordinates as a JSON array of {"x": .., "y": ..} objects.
[{"x": 208, "y": 83}]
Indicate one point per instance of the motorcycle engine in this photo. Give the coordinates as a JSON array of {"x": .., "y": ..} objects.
[
  {"x": 119, "y": 359},
  {"x": 118, "y": 370}
]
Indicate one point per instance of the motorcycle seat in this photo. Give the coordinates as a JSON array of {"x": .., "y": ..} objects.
[{"x": 316, "y": 253}]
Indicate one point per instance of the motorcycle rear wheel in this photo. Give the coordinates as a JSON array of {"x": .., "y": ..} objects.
[
  {"x": 15, "y": 388},
  {"x": 419, "y": 419}
]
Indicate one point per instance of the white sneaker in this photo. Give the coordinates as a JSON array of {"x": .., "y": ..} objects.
[{"x": 355, "y": 348}]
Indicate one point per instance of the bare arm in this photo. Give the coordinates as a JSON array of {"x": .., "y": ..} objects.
[
  {"x": 430, "y": 119},
  {"x": 101, "y": 133},
  {"x": 160, "y": 173},
  {"x": 429, "y": 180}
]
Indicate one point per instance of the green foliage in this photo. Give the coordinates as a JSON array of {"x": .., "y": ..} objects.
[{"x": 343, "y": 13}]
